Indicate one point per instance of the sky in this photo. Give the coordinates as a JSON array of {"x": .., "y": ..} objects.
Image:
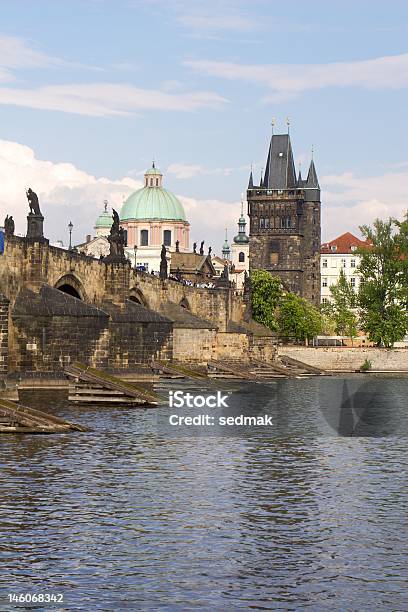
[{"x": 92, "y": 90}]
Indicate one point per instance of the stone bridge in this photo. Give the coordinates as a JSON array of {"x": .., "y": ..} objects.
[{"x": 57, "y": 306}]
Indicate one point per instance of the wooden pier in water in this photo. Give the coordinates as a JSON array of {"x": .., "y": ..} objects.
[
  {"x": 16, "y": 419},
  {"x": 90, "y": 385}
]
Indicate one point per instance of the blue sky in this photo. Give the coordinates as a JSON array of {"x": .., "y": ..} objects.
[{"x": 90, "y": 91}]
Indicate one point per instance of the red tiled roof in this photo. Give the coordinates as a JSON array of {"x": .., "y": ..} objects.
[{"x": 343, "y": 244}]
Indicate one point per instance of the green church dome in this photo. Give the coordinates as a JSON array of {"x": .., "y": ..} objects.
[
  {"x": 104, "y": 219},
  {"x": 152, "y": 202}
]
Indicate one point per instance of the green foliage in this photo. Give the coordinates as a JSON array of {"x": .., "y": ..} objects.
[
  {"x": 298, "y": 318},
  {"x": 384, "y": 288},
  {"x": 266, "y": 293},
  {"x": 366, "y": 366},
  {"x": 344, "y": 301}
]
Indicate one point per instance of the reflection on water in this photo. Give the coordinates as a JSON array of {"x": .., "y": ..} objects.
[{"x": 126, "y": 517}]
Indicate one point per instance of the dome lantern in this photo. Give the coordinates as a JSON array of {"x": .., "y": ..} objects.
[{"x": 153, "y": 177}]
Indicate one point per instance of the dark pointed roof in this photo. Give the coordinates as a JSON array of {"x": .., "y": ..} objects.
[
  {"x": 251, "y": 181},
  {"x": 280, "y": 170},
  {"x": 312, "y": 180}
]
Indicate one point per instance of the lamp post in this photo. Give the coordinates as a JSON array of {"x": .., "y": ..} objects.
[
  {"x": 135, "y": 252},
  {"x": 70, "y": 226}
]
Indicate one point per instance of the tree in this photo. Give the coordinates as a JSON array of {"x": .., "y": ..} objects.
[
  {"x": 344, "y": 300},
  {"x": 266, "y": 293},
  {"x": 383, "y": 289},
  {"x": 298, "y": 318}
]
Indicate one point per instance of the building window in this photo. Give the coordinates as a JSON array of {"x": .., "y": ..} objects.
[
  {"x": 241, "y": 257},
  {"x": 324, "y": 263},
  {"x": 353, "y": 282},
  {"x": 151, "y": 182},
  {"x": 261, "y": 223},
  {"x": 267, "y": 223},
  {"x": 343, "y": 263},
  {"x": 324, "y": 282},
  {"x": 333, "y": 248},
  {"x": 353, "y": 263},
  {"x": 353, "y": 248},
  {"x": 324, "y": 300},
  {"x": 144, "y": 237},
  {"x": 157, "y": 182},
  {"x": 167, "y": 237}
]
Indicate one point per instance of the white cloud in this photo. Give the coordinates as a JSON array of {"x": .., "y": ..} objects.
[
  {"x": 107, "y": 99},
  {"x": 288, "y": 80},
  {"x": 209, "y": 218},
  {"x": 66, "y": 193},
  {"x": 15, "y": 53},
  {"x": 349, "y": 201}
]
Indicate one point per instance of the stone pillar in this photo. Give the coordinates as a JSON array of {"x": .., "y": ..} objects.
[
  {"x": 35, "y": 225},
  {"x": 117, "y": 279},
  {"x": 4, "y": 332}
]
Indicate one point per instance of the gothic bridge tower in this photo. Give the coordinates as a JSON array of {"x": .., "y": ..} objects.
[{"x": 284, "y": 213}]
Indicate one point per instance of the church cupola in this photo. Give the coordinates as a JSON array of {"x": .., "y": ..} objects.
[
  {"x": 153, "y": 177},
  {"x": 226, "y": 251},
  {"x": 241, "y": 237}
]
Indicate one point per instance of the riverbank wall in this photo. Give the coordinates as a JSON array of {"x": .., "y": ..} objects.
[{"x": 344, "y": 359}]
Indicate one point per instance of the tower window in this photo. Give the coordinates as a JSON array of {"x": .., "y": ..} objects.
[
  {"x": 167, "y": 237},
  {"x": 151, "y": 182},
  {"x": 144, "y": 237},
  {"x": 241, "y": 257}
]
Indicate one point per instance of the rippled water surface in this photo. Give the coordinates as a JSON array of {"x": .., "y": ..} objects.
[{"x": 127, "y": 516}]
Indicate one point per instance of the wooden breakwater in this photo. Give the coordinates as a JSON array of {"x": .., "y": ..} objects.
[
  {"x": 92, "y": 385},
  {"x": 16, "y": 418}
]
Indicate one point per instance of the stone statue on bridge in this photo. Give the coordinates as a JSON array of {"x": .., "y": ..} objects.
[
  {"x": 33, "y": 202},
  {"x": 9, "y": 226},
  {"x": 163, "y": 263},
  {"x": 35, "y": 220},
  {"x": 117, "y": 241}
]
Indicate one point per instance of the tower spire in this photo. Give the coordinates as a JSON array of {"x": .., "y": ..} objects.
[
  {"x": 312, "y": 180},
  {"x": 251, "y": 180}
]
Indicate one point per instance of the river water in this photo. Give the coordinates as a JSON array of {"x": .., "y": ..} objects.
[{"x": 132, "y": 515}]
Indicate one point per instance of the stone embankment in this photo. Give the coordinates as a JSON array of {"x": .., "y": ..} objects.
[{"x": 343, "y": 359}]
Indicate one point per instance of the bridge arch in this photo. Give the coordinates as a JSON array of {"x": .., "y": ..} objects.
[
  {"x": 185, "y": 304},
  {"x": 71, "y": 285},
  {"x": 137, "y": 296}
]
